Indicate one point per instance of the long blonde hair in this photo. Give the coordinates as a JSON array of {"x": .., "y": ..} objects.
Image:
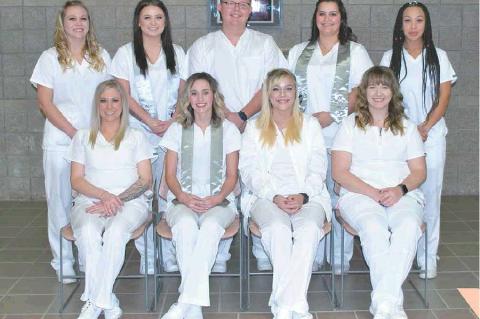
[
  {"x": 186, "y": 117},
  {"x": 96, "y": 120},
  {"x": 91, "y": 49},
  {"x": 265, "y": 122},
  {"x": 385, "y": 76}
]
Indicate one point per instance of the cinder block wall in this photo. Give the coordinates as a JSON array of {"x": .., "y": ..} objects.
[{"x": 26, "y": 28}]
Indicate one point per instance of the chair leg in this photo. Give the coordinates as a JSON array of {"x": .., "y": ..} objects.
[
  {"x": 243, "y": 269},
  {"x": 425, "y": 282},
  {"x": 247, "y": 249},
  {"x": 61, "y": 292},
  {"x": 342, "y": 287},
  {"x": 156, "y": 267},
  {"x": 145, "y": 241},
  {"x": 332, "y": 262}
]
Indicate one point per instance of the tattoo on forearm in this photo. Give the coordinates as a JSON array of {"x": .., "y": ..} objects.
[{"x": 134, "y": 191}]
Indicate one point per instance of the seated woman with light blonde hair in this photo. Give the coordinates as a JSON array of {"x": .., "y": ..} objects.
[{"x": 283, "y": 164}]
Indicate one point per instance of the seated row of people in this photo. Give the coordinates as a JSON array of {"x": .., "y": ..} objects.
[{"x": 378, "y": 159}]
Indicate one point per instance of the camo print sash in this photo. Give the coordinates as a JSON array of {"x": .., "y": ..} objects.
[
  {"x": 216, "y": 159},
  {"x": 339, "y": 96}
]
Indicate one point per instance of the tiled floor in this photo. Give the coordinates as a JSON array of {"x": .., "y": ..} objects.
[{"x": 28, "y": 286}]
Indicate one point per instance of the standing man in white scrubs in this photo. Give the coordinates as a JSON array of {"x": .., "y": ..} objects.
[{"x": 239, "y": 59}]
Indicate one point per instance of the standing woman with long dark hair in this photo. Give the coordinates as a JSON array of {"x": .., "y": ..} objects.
[
  {"x": 66, "y": 77},
  {"x": 150, "y": 70},
  {"x": 328, "y": 68},
  {"x": 426, "y": 77}
]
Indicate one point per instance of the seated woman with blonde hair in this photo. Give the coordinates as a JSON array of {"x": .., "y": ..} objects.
[
  {"x": 201, "y": 173},
  {"x": 379, "y": 161},
  {"x": 283, "y": 164},
  {"x": 111, "y": 171}
]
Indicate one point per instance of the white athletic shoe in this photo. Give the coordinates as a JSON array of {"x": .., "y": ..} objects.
[{"x": 89, "y": 311}]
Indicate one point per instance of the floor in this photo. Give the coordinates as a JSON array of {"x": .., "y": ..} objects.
[{"x": 28, "y": 287}]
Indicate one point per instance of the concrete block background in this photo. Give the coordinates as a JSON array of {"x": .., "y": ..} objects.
[{"x": 26, "y": 29}]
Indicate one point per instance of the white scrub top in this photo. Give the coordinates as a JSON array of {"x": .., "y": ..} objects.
[
  {"x": 379, "y": 158},
  {"x": 239, "y": 70},
  {"x": 123, "y": 68},
  {"x": 105, "y": 167},
  {"x": 321, "y": 76},
  {"x": 411, "y": 88},
  {"x": 73, "y": 93},
  {"x": 172, "y": 140}
]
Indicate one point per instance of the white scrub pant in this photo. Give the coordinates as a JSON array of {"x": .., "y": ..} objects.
[
  {"x": 168, "y": 251},
  {"x": 348, "y": 239},
  {"x": 103, "y": 256},
  {"x": 291, "y": 242},
  {"x": 389, "y": 237},
  {"x": 432, "y": 190},
  {"x": 59, "y": 202},
  {"x": 196, "y": 238}
]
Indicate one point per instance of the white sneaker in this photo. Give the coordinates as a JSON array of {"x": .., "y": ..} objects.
[
  {"x": 195, "y": 312},
  {"x": 431, "y": 273},
  {"x": 263, "y": 264},
  {"x": 282, "y": 314},
  {"x": 170, "y": 266},
  {"x": 399, "y": 314},
  {"x": 337, "y": 269},
  {"x": 220, "y": 266},
  {"x": 89, "y": 311},
  {"x": 150, "y": 265},
  {"x": 383, "y": 311},
  {"x": 114, "y": 313},
  {"x": 297, "y": 315},
  {"x": 177, "y": 311},
  {"x": 67, "y": 271}
]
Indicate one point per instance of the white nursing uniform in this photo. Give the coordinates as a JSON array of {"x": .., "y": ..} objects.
[
  {"x": 73, "y": 91},
  {"x": 389, "y": 235},
  {"x": 320, "y": 80},
  {"x": 114, "y": 171},
  {"x": 240, "y": 69},
  {"x": 284, "y": 170},
  {"x": 435, "y": 145},
  {"x": 196, "y": 236},
  {"x": 161, "y": 83}
]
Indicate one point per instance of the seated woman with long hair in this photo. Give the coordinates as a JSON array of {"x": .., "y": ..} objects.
[
  {"x": 111, "y": 171},
  {"x": 283, "y": 164},
  {"x": 201, "y": 173},
  {"x": 379, "y": 161}
]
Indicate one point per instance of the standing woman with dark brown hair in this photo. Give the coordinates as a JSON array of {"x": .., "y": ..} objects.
[
  {"x": 66, "y": 76},
  {"x": 328, "y": 68},
  {"x": 150, "y": 69},
  {"x": 426, "y": 77}
]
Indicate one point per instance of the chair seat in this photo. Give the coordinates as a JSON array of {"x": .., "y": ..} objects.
[
  {"x": 164, "y": 231},
  {"x": 67, "y": 231},
  {"x": 254, "y": 229}
]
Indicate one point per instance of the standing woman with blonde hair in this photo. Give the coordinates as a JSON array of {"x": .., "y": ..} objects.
[
  {"x": 426, "y": 77},
  {"x": 150, "y": 69},
  {"x": 66, "y": 76},
  {"x": 283, "y": 163}
]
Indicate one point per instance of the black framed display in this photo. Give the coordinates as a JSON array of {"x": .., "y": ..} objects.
[{"x": 264, "y": 12}]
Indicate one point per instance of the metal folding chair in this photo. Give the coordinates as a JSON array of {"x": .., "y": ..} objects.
[
  {"x": 164, "y": 231},
  {"x": 347, "y": 228},
  {"x": 254, "y": 230}
]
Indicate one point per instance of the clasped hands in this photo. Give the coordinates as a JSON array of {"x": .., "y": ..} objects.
[
  {"x": 108, "y": 206},
  {"x": 290, "y": 204},
  {"x": 198, "y": 204},
  {"x": 387, "y": 196}
]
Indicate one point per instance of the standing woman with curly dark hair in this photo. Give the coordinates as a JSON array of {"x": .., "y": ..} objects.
[
  {"x": 379, "y": 161},
  {"x": 426, "y": 77},
  {"x": 328, "y": 69},
  {"x": 66, "y": 77},
  {"x": 150, "y": 70}
]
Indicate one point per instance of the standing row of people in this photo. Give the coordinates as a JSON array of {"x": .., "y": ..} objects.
[{"x": 152, "y": 72}]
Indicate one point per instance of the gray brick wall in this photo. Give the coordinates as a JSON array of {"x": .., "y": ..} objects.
[{"x": 26, "y": 28}]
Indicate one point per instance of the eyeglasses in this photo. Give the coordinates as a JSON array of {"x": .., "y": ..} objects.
[{"x": 233, "y": 4}]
